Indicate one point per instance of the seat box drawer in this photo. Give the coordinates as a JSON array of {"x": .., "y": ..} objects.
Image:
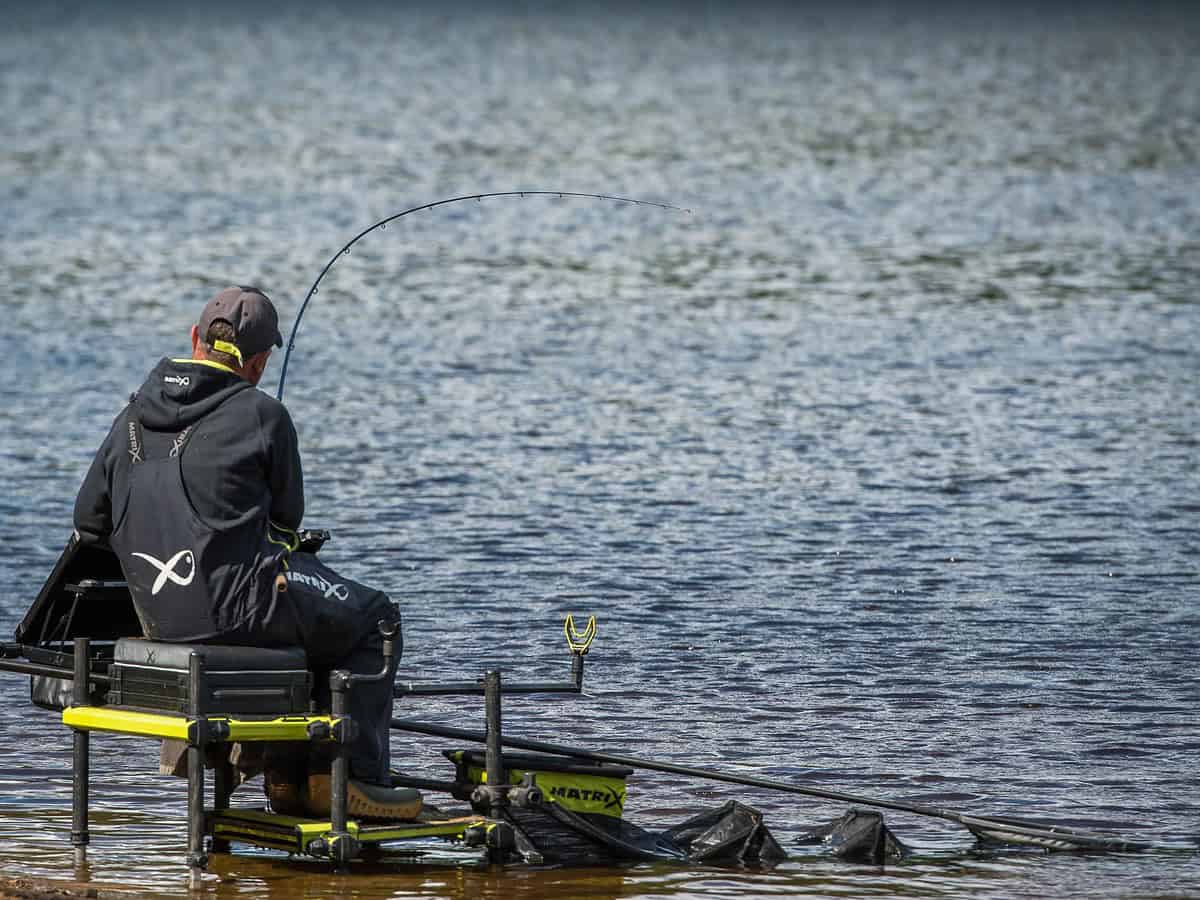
[{"x": 254, "y": 692}]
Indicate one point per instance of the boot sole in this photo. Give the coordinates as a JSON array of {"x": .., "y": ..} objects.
[{"x": 359, "y": 804}]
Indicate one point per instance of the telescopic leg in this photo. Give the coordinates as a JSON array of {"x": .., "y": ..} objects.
[{"x": 81, "y": 761}]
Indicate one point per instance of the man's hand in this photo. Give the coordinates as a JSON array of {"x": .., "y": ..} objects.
[{"x": 312, "y": 540}]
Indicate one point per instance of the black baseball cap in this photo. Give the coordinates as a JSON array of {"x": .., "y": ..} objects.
[{"x": 252, "y": 315}]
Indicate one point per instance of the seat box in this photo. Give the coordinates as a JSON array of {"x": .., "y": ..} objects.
[
  {"x": 57, "y": 694},
  {"x": 235, "y": 681}
]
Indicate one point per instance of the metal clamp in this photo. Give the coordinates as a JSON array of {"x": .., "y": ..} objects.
[
  {"x": 343, "y": 847},
  {"x": 527, "y": 793},
  {"x": 339, "y": 731},
  {"x": 203, "y": 731}
]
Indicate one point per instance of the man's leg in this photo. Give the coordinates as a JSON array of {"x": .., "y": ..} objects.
[
  {"x": 340, "y": 624},
  {"x": 371, "y": 707}
]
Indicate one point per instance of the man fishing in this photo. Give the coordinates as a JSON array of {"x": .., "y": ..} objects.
[{"x": 198, "y": 490}]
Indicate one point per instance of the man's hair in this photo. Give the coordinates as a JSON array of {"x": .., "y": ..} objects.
[{"x": 221, "y": 330}]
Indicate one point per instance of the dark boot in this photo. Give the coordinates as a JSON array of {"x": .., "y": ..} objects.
[{"x": 285, "y": 794}]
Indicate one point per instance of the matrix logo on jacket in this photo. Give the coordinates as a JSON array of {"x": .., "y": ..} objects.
[
  {"x": 166, "y": 570},
  {"x": 328, "y": 588}
]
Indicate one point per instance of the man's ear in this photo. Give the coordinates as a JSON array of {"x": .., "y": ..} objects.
[
  {"x": 195, "y": 339},
  {"x": 257, "y": 364}
]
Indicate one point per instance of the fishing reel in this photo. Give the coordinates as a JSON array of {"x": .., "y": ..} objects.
[{"x": 311, "y": 540}]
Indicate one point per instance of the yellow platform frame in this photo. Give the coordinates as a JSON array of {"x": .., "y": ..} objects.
[{"x": 257, "y": 827}]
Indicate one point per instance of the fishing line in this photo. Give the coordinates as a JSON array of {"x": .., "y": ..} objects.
[{"x": 383, "y": 223}]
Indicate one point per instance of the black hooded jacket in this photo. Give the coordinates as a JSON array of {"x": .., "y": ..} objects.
[{"x": 198, "y": 488}]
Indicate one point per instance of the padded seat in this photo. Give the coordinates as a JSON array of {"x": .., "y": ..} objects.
[{"x": 217, "y": 657}]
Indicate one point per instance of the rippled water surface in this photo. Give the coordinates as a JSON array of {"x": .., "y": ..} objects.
[{"x": 879, "y": 468}]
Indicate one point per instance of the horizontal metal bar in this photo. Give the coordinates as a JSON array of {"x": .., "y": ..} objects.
[
  {"x": 474, "y": 688},
  {"x": 29, "y": 668},
  {"x": 426, "y": 784}
]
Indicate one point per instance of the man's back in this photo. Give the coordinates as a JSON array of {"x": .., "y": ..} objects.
[
  {"x": 186, "y": 482},
  {"x": 198, "y": 490}
]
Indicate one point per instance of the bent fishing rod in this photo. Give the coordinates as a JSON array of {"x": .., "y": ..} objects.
[{"x": 383, "y": 223}]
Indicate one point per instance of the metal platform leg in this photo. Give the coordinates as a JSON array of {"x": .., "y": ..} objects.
[
  {"x": 497, "y": 779},
  {"x": 491, "y": 797},
  {"x": 500, "y": 844},
  {"x": 342, "y": 845},
  {"x": 196, "y": 857},
  {"x": 222, "y": 789},
  {"x": 81, "y": 761}
]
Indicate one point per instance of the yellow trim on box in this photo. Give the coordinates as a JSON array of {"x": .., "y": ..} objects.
[
  {"x": 416, "y": 830},
  {"x": 157, "y": 725},
  {"x": 285, "y": 728},
  {"x": 123, "y": 721}
]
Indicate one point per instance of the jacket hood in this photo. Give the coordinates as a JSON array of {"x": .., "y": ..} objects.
[{"x": 178, "y": 392}]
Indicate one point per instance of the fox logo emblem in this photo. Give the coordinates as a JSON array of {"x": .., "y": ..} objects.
[{"x": 166, "y": 570}]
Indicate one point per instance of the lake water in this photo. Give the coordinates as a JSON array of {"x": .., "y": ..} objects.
[{"x": 880, "y": 468}]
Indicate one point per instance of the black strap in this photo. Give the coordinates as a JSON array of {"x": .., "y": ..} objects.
[
  {"x": 179, "y": 439},
  {"x": 137, "y": 443}
]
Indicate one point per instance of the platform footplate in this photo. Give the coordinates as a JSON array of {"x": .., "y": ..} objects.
[{"x": 292, "y": 834}]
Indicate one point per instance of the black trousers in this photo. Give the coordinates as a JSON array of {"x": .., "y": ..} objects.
[{"x": 336, "y": 621}]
